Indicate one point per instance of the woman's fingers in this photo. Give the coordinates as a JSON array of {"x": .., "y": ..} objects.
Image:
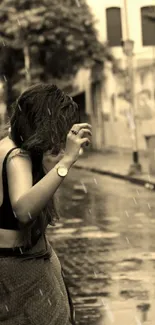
[
  {"x": 78, "y": 127},
  {"x": 84, "y": 132},
  {"x": 85, "y": 141}
]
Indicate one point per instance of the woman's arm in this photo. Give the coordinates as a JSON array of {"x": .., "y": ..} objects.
[{"x": 28, "y": 200}]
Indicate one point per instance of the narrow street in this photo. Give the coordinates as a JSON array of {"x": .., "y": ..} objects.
[{"x": 106, "y": 242}]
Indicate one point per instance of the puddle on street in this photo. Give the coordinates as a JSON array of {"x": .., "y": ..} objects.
[{"x": 106, "y": 243}]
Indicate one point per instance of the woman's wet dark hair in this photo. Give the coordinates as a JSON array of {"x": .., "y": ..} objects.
[{"x": 41, "y": 119}]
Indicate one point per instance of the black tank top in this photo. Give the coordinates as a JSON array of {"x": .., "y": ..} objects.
[
  {"x": 7, "y": 217},
  {"x": 8, "y": 221}
]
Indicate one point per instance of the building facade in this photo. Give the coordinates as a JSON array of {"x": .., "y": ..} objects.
[
  {"x": 102, "y": 95},
  {"x": 107, "y": 105}
]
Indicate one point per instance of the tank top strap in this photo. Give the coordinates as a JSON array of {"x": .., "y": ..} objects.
[
  {"x": 4, "y": 172},
  {"x": 7, "y": 155}
]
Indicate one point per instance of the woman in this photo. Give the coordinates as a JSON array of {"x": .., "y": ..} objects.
[{"x": 45, "y": 131}]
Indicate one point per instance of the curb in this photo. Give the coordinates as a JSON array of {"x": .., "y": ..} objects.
[{"x": 142, "y": 182}]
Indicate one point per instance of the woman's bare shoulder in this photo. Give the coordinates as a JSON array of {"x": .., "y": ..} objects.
[{"x": 5, "y": 146}]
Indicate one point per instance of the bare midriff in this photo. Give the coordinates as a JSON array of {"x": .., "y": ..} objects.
[{"x": 10, "y": 238}]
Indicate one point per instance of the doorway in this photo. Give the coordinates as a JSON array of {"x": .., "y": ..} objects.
[{"x": 80, "y": 99}]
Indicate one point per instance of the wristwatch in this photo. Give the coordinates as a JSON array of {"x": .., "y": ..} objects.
[{"x": 62, "y": 170}]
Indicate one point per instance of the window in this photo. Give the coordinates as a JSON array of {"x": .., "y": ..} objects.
[
  {"x": 114, "y": 26},
  {"x": 148, "y": 25}
]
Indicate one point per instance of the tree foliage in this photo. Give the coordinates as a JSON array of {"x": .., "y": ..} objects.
[{"x": 57, "y": 36}]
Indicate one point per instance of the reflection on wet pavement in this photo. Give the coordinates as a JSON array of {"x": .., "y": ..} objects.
[{"x": 106, "y": 243}]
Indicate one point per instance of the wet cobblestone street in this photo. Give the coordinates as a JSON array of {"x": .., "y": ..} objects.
[{"x": 106, "y": 243}]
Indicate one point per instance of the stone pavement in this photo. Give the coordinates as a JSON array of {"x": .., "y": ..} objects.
[
  {"x": 106, "y": 243},
  {"x": 116, "y": 164}
]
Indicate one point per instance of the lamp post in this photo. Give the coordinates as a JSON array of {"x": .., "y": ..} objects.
[{"x": 128, "y": 46}]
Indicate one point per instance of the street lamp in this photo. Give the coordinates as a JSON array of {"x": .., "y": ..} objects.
[{"x": 128, "y": 46}]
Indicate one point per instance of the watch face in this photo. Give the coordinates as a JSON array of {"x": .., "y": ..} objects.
[{"x": 62, "y": 171}]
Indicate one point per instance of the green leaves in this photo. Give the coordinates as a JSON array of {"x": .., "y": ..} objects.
[{"x": 62, "y": 33}]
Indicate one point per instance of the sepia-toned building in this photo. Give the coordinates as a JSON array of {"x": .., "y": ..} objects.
[
  {"x": 104, "y": 96},
  {"x": 103, "y": 100}
]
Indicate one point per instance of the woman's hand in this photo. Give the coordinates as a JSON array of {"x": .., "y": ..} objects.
[
  {"x": 73, "y": 145},
  {"x": 78, "y": 137}
]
